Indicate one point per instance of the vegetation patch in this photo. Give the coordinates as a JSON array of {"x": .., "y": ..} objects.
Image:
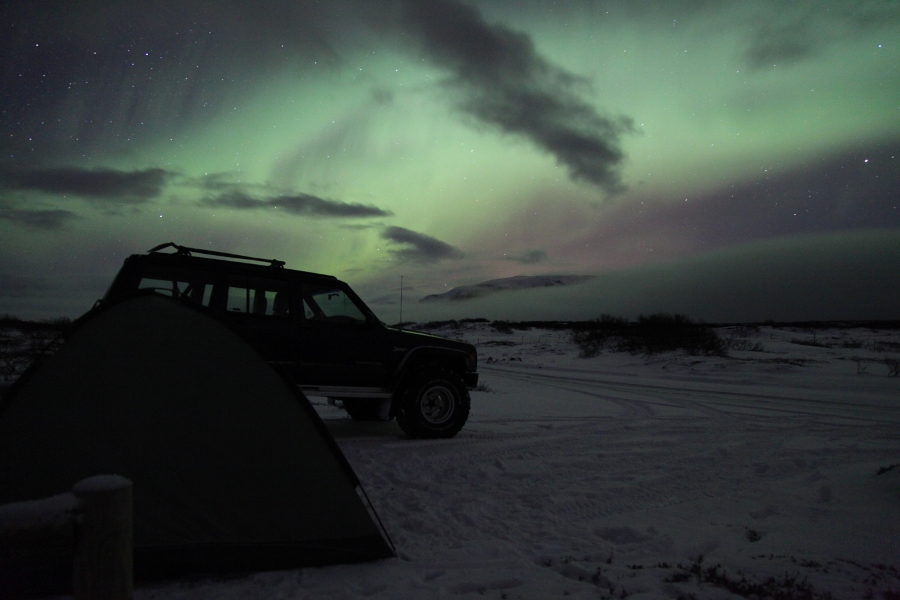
[
  {"x": 796, "y": 362},
  {"x": 446, "y": 324},
  {"x": 653, "y": 334},
  {"x": 509, "y": 326},
  {"x": 743, "y": 344},
  {"x": 787, "y": 587},
  {"x": 484, "y": 387},
  {"x": 22, "y": 342},
  {"x": 884, "y": 470},
  {"x": 884, "y": 345},
  {"x": 813, "y": 342}
]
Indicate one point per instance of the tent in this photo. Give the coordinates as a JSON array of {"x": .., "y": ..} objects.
[{"x": 233, "y": 470}]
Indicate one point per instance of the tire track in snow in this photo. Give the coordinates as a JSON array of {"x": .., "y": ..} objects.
[
  {"x": 712, "y": 399},
  {"x": 632, "y": 398},
  {"x": 541, "y": 481}
]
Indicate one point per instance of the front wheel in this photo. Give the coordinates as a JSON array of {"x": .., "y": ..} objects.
[{"x": 433, "y": 404}]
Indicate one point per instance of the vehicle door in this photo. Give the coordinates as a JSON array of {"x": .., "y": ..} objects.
[
  {"x": 260, "y": 306},
  {"x": 338, "y": 343}
]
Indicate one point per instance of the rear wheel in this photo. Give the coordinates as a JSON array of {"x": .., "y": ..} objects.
[
  {"x": 367, "y": 410},
  {"x": 433, "y": 404}
]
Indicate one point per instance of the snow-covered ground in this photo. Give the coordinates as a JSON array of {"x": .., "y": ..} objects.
[{"x": 670, "y": 476}]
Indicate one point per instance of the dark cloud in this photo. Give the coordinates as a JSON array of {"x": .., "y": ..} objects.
[
  {"x": 298, "y": 204},
  {"x": 38, "y": 219},
  {"x": 851, "y": 190},
  {"x": 532, "y": 257},
  {"x": 218, "y": 182},
  {"x": 127, "y": 187},
  {"x": 787, "y": 33},
  {"x": 791, "y": 36},
  {"x": 101, "y": 74},
  {"x": 857, "y": 189},
  {"x": 420, "y": 248},
  {"x": 773, "y": 47},
  {"x": 382, "y": 96},
  {"x": 504, "y": 82},
  {"x": 14, "y": 286}
]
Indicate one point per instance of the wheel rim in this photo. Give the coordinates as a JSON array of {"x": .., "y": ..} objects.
[{"x": 437, "y": 404}]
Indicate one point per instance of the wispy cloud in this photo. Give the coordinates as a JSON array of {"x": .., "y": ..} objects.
[
  {"x": 531, "y": 257},
  {"x": 48, "y": 220},
  {"x": 14, "y": 286},
  {"x": 788, "y": 33},
  {"x": 108, "y": 185},
  {"x": 419, "y": 248},
  {"x": 298, "y": 204},
  {"x": 505, "y": 83},
  {"x": 771, "y": 45}
]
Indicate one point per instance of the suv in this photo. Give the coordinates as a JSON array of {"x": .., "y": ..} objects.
[{"x": 318, "y": 330}]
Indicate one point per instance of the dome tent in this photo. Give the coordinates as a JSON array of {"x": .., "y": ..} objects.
[{"x": 233, "y": 470}]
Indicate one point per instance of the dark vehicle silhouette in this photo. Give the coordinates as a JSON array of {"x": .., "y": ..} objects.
[{"x": 318, "y": 330}]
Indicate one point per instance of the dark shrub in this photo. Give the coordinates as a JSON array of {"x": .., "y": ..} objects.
[
  {"x": 22, "y": 342},
  {"x": 502, "y": 326},
  {"x": 605, "y": 332},
  {"x": 651, "y": 334},
  {"x": 663, "y": 332}
]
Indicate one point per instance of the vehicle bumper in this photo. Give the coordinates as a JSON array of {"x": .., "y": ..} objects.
[{"x": 471, "y": 380}]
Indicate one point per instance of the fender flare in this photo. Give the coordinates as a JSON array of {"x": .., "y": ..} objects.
[{"x": 404, "y": 367}]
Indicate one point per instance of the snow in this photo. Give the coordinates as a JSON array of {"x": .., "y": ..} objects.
[
  {"x": 53, "y": 512},
  {"x": 670, "y": 476}
]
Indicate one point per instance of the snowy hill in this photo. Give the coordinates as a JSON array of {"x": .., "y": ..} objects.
[{"x": 520, "y": 282}]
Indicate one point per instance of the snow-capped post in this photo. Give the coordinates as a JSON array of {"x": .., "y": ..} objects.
[
  {"x": 102, "y": 566},
  {"x": 91, "y": 526},
  {"x": 33, "y": 535}
]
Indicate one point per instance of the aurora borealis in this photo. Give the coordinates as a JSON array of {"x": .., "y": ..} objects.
[{"x": 455, "y": 142}]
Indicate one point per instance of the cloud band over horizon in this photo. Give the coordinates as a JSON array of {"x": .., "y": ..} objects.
[{"x": 299, "y": 204}]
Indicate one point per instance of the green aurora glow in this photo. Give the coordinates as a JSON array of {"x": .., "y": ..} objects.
[{"x": 768, "y": 96}]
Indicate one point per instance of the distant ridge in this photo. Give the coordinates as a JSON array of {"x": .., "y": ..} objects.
[{"x": 520, "y": 282}]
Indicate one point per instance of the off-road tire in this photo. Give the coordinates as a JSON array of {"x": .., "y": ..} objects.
[
  {"x": 363, "y": 410},
  {"x": 434, "y": 403}
]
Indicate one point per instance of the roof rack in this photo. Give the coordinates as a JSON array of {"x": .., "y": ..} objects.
[{"x": 185, "y": 251}]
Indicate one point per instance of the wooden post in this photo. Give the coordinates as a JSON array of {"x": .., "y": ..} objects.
[{"x": 102, "y": 567}]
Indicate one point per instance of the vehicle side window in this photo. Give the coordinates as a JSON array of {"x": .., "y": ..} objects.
[
  {"x": 330, "y": 304},
  {"x": 179, "y": 283},
  {"x": 307, "y": 311},
  {"x": 257, "y": 296}
]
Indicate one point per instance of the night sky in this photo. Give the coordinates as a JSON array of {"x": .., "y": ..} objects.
[{"x": 669, "y": 147}]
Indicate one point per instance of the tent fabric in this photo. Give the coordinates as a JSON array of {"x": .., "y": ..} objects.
[{"x": 232, "y": 467}]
